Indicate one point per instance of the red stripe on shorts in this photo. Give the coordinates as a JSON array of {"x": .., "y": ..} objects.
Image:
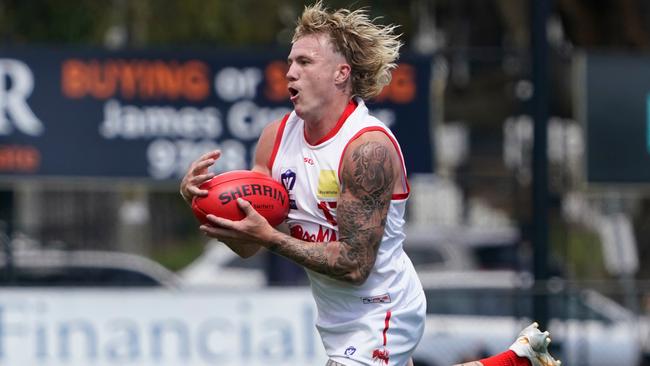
[{"x": 386, "y": 321}]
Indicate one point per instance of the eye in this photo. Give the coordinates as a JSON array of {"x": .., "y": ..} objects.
[{"x": 303, "y": 61}]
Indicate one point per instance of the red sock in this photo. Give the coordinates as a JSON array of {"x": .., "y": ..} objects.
[{"x": 507, "y": 358}]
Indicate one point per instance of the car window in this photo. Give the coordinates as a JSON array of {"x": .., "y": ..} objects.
[
  {"x": 505, "y": 302},
  {"x": 255, "y": 262},
  {"x": 483, "y": 302},
  {"x": 76, "y": 276},
  {"x": 572, "y": 306},
  {"x": 424, "y": 256}
]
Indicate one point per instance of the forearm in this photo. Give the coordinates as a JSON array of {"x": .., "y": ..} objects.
[
  {"x": 334, "y": 259},
  {"x": 242, "y": 248}
]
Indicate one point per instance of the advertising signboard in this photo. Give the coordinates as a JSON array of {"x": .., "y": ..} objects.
[
  {"x": 158, "y": 327},
  {"x": 147, "y": 114}
]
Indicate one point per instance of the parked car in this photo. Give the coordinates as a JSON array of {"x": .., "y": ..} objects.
[
  {"x": 218, "y": 266},
  {"x": 461, "y": 247},
  {"x": 472, "y": 314},
  {"x": 35, "y": 267}
]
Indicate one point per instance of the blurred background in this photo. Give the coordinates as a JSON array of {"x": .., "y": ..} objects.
[{"x": 525, "y": 127}]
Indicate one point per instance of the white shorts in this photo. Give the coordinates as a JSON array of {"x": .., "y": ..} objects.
[{"x": 383, "y": 338}]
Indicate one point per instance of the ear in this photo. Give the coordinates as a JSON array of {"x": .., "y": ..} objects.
[{"x": 342, "y": 73}]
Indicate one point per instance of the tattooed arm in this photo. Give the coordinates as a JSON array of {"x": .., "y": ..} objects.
[
  {"x": 369, "y": 174},
  {"x": 370, "y": 168}
]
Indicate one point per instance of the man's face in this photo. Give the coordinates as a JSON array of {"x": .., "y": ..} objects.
[{"x": 313, "y": 67}]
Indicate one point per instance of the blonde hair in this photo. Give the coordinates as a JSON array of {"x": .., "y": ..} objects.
[{"x": 370, "y": 49}]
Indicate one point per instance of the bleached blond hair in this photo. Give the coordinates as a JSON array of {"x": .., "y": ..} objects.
[{"x": 370, "y": 49}]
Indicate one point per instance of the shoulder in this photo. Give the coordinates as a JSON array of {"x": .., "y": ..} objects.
[
  {"x": 265, "y": 146},
  {"x": 271, "y": 130},
  {"x": 376, "y": 140},
  {"x": 370, "y": 150}
]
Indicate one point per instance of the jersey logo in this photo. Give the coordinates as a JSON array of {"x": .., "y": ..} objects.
[
  {"x": 350, "y": 351},
  {"x": 381, "y": 299},
  {"x": 288, "y": 178},
  {"x": 323, "y": 234},
  {"x": 328, "y": 186}
]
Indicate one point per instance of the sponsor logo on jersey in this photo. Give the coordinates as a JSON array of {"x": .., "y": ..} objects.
[
  {"x": 328, "y": 185},
  {"x": 323, "y": 234}
]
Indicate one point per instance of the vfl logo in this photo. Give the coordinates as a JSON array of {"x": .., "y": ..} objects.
[
  {"x": 13, "y": 99},
  {"x": 288, "y": 179}
]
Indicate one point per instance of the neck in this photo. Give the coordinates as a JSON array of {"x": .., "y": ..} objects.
[{"x": 317, "y": 127}]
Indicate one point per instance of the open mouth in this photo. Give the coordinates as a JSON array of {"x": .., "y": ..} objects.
[{"x": 293, "y": 92}]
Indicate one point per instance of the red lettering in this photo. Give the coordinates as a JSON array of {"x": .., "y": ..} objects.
[
  {"x": 402, "y": 88},
  {"x": 323, "y": 235},
  {"x": 276, "y": 81},
  {"x": 144, "y": 79},
  {"x": 16, "y": 158}
]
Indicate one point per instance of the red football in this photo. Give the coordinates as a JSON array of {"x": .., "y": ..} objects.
[{"x": 267, "y": 196}]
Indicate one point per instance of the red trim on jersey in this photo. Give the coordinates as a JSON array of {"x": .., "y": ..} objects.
[
  {"x": 395, "y": 196},
  {"x": 278, "y": 139},
  {"x": 352, "y": 105}
]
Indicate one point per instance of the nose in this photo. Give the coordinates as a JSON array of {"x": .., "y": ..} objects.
[{"x": 292, "y": 74}]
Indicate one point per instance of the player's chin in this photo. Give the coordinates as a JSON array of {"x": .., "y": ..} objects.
[{"x": 300, "y": 112}]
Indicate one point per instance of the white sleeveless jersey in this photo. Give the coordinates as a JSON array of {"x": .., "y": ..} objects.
[{"x": 311, "y": 175}]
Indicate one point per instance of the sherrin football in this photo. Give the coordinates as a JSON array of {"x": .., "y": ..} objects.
[{"x": 266, "y": 195}]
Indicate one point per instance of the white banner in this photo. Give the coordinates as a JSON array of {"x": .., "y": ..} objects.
[{"x": 158, "y": 327}]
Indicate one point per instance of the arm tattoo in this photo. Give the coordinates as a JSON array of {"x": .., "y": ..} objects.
[{"x": 367, "y": 187}]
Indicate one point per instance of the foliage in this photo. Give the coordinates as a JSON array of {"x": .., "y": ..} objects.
[{"x": 166, "y": 22}]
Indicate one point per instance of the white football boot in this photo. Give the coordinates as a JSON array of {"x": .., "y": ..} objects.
[{"x": 533, "y": 344}]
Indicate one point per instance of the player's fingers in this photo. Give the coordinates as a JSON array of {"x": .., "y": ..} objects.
[
  {"x": 214, "y": 154},
  {"x": 201, "y": 178},
  {"x": 195, "y": 191},
  {"x": 215, "y": 232},
  {"x": 201, "y": 166},
  {"x": 245, "y": 206},
  {"x": 221, "y": 222}
]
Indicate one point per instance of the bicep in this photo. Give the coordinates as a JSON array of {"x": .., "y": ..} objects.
[
  {"x": 368, "y": 176},
  {"x": 367, "y": 181}
]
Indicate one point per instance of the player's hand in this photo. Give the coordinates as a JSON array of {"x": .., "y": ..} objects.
[
  {"x": 253, "y": 228},
  {"x": 198, "y": 174}
]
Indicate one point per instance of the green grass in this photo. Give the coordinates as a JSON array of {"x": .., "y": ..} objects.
[{"x": 580, "y": 251}]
